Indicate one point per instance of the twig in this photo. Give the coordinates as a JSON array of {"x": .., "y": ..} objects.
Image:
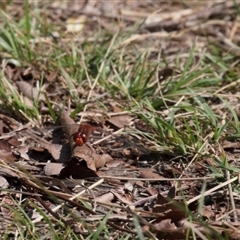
[
  {"x": 231, "y": 197},
  {"x": 212, "y": 190}
]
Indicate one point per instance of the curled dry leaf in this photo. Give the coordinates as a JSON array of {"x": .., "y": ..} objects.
[
  {"x": 172, "y": 211},
  {"x": 123, "y": 199},
  {"x": 6, "y": 151},
  {"x": 152, "y": 191},
  {"x": 6, "y": 212},
  {"x": 3, "y": 182},
  {"x": 29, "y": 91},
  {"x": 7, "y": 172},
  {"x": 207, "y": 212},
  {"x": 171, "y": 234},
  {"x": 61, "y": 153},
  {"x": 114, "y": 164},
  {"x": 23, "y": 152},
  {"x": 52, "y": 169},
  {"x": 9, "y": 124},
  {"x": 230, "y": 145},
  {"x": 14, "y": 141},
  {"x": 149, "y": 173},
  {"x": 172, "y": 192},
  {"x": 165, "y": 225},
  {"x": 77, "y": 170},
  {"x": 105, "y": 198},
  {"x": 52, "y": 76},
  {"x": 1, "y": 127},
  {"x": 120, "y": 121}
]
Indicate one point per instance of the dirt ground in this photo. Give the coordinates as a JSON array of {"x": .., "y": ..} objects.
[{"x": 120, "y": 171}]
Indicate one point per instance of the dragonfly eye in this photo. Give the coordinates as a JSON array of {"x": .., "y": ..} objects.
[{"x": 83, "y": 137}]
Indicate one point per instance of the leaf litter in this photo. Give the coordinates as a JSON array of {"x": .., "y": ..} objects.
[{"x": 140, "y": 185}]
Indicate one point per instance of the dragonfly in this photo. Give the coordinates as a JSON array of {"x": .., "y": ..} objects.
[
  {"x": 80, "y": 137},
  {"x": 82, "y": 134}
]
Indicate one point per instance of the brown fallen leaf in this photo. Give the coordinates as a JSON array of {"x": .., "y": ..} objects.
[
  {"x": 123, "y": 199},
  {"x": 172, "y": 234},
  {"x": 2, "y": 124},
  {"x": 3, "y": 182},
  {"x": 52, "y": 169},
  {"x": 5, "y": 210},
  {"x": 165, "y": 224},
  {"x": 114, "y": 164},
  {"x": 6, "y": 172},
  {"x": 152, "y": 191},
  {"x": 14, "y": 141},
  {"x": 176, "y": 217},
  {"x": 164, "y": 204},
  {"x": 172, "y": 192},
  {"x": 207, "y": 212},
  {"x": 120, "y": 121},
  {"x": 52, "y": 76},
  {"x": 23, "y": 152},
  {"x": 230, "y": 145},
  {"x": 77, "y": 170},
  {"x": 29, "y": 91},
  {"x": 105, "y": 198},
  {"x": 149, "y": 173},
  {"x": 61, "y": 153},
  {"x": 6, "y": 151}
]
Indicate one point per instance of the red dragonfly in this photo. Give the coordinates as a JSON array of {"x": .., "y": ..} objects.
[
  {"x": 83, "y": 133},
  {"x": 80, "y": 137}
]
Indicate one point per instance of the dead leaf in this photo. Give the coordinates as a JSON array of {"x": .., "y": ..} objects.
[
  {"x": 61, "y": 153},
  {"x": 172, "y": 234},
  {"x": 6, "y": 212},
  {"x": 10, "y": 124},
  {"x": 3, "y": 182},
  {"x": 172, "y": 192},
  {"x": 52, "y": 76},
  {"x": 120, "y": 121},
  {"x": 230, "y": 145},
  {"x": 23, "y": 152},
  {"x": 152, "y": 191},
  {"x": 6, "y": 151},
  {"x": 77, "y": 170},
  {"x": 6, "y": 172},
  {"x": 207, "y": 212},
  {"x": 176, "y": 217},
  {"x": 52, "y": 169},
  {"x": 29, "y": 91},
  {"x": 1, "y": 127},
  {"x": 114, "y": 164},
  {"x": 128, "y": 186},
  {"x": 14, "y": 141},
  {"x": 149, "y": 173},
  {"x": 106, "y": 198},
  {"x": 165, "y": 224},
  {"x": 122, "y": 198}
]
